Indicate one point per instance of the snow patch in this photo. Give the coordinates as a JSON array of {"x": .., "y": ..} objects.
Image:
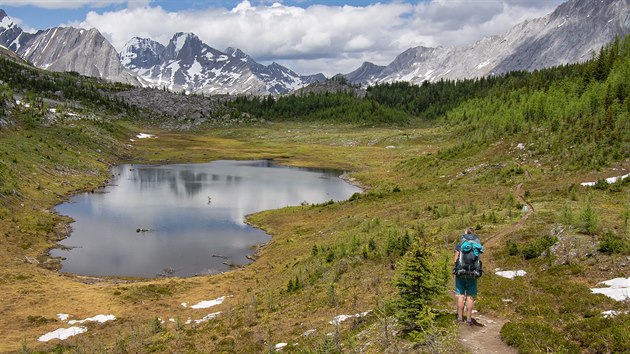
[
  {"x": 63, "y": 316},
  {"x": 180, "y": 41},
  {"x": 195, "y": 69},
  {"x": 613, "y": 313},
  {"x": 309, "y": 332},
  {"x": 280, "y": 346},
  {"x": 206, "y": 318},
  {"x": 618, "y": 289},
  {"x": 608, "y": 180},
  {"x": 6, "y": 22},
  {"x": 208, "y": 303},
  {"x": 338, "y": 319},
  {"x": 145, "y": 136},
  {"x": 482, "y": 65},
  {"x": 97, "y": 318},
  {"x": 511, "y": 274},
  {"x": 62, "y": 333}
]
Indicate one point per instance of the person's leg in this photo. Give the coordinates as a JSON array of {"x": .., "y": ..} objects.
[
  {"x": 470, "y": 303},
  {"x": 460, "y": 295},
  {"x": 460, "y": 307},
  {"x": 471, "y": 292}
]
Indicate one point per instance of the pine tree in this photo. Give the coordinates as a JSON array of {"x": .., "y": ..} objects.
[{"x": 422, "y": 278}]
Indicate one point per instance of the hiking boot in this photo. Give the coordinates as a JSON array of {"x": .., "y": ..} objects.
[
  {"x": 459, "y": 321},
  {"x": 469, "y": 322}
]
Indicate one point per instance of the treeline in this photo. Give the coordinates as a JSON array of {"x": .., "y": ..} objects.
[
  {"x": 431, "y": 100},
  {"x": 335, "y": 107},
  {"x": 90, "y": 92},
  {"x": 579, "y": 113}
]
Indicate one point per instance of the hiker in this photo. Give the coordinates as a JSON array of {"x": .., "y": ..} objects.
[{"x": 467, "y": 270}]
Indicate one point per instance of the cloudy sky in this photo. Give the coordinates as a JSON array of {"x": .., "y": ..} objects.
[{"x": 308, "y": 36}]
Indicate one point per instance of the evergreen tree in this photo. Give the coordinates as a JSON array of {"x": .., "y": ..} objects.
[{"x": 422, "y": 277}]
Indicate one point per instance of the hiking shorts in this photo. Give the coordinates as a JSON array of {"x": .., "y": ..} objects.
[{"x": 466, "y": 286}]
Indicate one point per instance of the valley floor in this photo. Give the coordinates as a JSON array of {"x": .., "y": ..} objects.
[{"x": 324, "y": 281}]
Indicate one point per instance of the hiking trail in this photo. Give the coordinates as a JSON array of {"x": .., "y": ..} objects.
[{"x": 484, "y": 336}]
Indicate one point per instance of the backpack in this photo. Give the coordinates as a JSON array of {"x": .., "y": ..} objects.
[{"x": 469, "y": 263}]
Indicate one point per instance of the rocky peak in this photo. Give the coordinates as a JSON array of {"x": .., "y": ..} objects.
[
  {"x": 236, "y": 53},
  {"x": 182, "y": 45},
  {"x": 141, "y": 53},
  {"x": 11, "y": 35},
  {"x": 366, "y": 72}
]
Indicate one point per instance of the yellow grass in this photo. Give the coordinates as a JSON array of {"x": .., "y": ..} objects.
[{"x": 258, "y": 311}]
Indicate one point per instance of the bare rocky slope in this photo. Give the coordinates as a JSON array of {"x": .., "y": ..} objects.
[
  {"x": 572, "y": 33},
  {"x": 61, "y": 49}
]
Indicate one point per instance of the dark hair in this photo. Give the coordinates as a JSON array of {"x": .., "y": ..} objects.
[{"x": 469, "y": 231}]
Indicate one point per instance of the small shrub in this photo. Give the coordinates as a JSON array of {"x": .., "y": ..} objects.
[
  {"x": 589, "y": 220},
  {"x": 602, "y": 335},
  {"x": 372, "y": 244},
  {"x": 536, "y": 337},
  {"x": 355, "y": 196},
  {"x": 397, "y": 244},
  {"x": 156, "y": 325},
  {"x": 566, "y": 216},
  {"x": 540, "y": 245},
  {"x": 512, "y": 248},
  {"x": 330, "y": 256},
  {"x": 612, "y": 243}
]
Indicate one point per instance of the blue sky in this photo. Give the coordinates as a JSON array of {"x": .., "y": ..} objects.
[{"x": 308, "y": 36}]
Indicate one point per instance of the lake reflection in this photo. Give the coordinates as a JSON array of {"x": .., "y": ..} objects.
[{"x": 194, "y": 213}]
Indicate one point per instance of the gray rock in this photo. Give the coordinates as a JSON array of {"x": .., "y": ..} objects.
[{"x": 572, "y": 33}]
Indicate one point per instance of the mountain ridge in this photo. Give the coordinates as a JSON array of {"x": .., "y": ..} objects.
[
  {"x": 188, "y": 64},
  {"x": 569, "y": 34}
]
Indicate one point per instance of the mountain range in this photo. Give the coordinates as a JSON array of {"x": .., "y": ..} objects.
[
  {"x": 187, "y": 63},
  {"x": 573, "y": 32}
]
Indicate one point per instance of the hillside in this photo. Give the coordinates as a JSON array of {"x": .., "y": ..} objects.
[{"x": 507, "y": 155}]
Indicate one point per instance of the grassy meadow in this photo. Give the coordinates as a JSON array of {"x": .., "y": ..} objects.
[{"x": 323, "y": 260}]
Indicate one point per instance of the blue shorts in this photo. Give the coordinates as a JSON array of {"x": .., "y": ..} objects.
[{"x": 465, "y": 286}]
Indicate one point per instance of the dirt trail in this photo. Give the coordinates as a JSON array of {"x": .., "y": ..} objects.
[{"x": 484, "y": 337}]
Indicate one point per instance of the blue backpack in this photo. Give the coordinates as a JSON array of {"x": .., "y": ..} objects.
[{"x": 469, "y": 264}]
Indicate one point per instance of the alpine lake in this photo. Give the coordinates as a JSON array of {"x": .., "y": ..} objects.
[{"x": 184, "y": 220}]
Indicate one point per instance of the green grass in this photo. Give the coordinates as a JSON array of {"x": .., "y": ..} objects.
[{"x": 343, "y": 255}]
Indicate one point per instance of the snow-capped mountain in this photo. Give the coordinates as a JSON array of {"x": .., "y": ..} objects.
[
  {"x": 141, "y": 53},
  {"x": 188, "y": 64},
  {"x": 571, "y": 33},
  {"x": 66, "y": 49},
  {"x": 11, "y": 35}
]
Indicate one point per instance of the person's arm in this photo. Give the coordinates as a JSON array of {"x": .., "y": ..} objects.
[{"x": 455, "y": 256}]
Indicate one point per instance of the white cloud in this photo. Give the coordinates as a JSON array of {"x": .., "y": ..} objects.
[
  {"x": 73, "y": 4},
  {"x": 323, "y": 38}
]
